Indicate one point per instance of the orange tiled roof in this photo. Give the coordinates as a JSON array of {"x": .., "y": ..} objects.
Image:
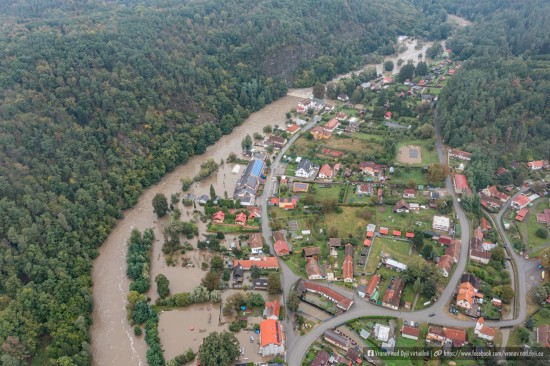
[{"x": 271, "y": 332}]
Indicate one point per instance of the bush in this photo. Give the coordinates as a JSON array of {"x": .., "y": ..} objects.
[{"x": 541, "y": 233}]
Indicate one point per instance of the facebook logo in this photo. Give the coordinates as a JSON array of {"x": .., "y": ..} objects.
[{"x": 370, "y": 353}]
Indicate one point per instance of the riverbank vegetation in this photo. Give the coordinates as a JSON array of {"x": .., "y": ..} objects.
[{"x": 100, "y": 100}]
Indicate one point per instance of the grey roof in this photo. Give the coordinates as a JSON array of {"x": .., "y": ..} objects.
[
  {"x": 305, "y": 165},
  {"x": 203, "y": 198}
]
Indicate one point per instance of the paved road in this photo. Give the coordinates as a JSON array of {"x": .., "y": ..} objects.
[
  {"x": 288, "y": 276},
  {"x": 297, "y": 348},
  {"x": 524, "y": 267}
]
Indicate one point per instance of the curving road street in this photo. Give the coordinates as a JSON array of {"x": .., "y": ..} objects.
[{"x": 298, "y": 346}]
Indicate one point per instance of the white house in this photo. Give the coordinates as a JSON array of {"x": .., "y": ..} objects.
[
  {"x": 484, "y": 332},
  {"x": 441, "y": 223},
  {"x": 305, "y": 169},
  {"x": 382, "y": 332}
]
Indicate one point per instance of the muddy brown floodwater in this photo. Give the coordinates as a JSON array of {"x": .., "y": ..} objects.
[
  {"x": 411, "y": 53},
  {"x": 113, "y": 341}
]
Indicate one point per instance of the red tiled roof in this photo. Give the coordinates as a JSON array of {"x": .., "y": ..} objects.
[
  {"x": 522, "y": 200},
  {"x": 373, "y": 283},
  {"x": 453, "y": 250},
  {"x": 326, "y": 170},
  {"x": 455, "y": 335},
  {"x": 293, "y": 128},
  {"x": 537, "y": 164},
  {"x": 409, "y": 235},
  {"x": 341, "y": 300},
  {"x": 384, "y": 231},
  {"x": 521, "y": 214},
  {"x": 255, "y": 240},
  {"x": 367, "y": 243},
  {"x": 265, "y": 263},
  {"x": 461, "y": 182},
  {"x": 485, "y": 224},
  {"x": 275, "y": 306},
  {"x": 347, "y": 267},
  {"x": 409, "y": 191},
  {"x": 411, "y": 331},
  {"x": 219, "y": 216},
  {"x": 281, "y": 247},
  {"x": 445, "y": 263},
  {"x": 370, "y": 234},
  {"x": 396, "y": 233},
  {"x": 332, "y": 124},
  {"x": 241, "y": 217},
  {"x": 393, "y": 296},
  {"x": 312, "y": 267},
  {"x": 271, "y": 332},
  {"x": 466, "y": 292},
  {"x": 460, "y": 153}
]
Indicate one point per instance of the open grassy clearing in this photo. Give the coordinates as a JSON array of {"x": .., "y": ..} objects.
[
  {"x": 531, "y": 225},
  {"x": 367, "y": 136},
  {"x": 403, "y": 221},
  {"x": 395, "y": 249},
  {"x": 347, "y": 222},
  {"x": 406, "y": 174},
  {"x": 324, "y": 193},
  {"x": 429, "y": 153}
]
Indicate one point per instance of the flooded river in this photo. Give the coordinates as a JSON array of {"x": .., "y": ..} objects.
[
  {"x": 411, "y": 53},
  {"x": 113, "y": 342}
]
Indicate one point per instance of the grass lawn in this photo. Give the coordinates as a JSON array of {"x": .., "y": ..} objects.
[
  {"x": 297, "y": 264},
  {"x": 321, "y": 193},
  {"x": 351, "y": 144},
  {"x": 531, "y": 225},
  {"x": 366, "y": 136},
  {"x": 347, "y": 222},
  {"x": 404, "y": 221},
  {"x": 540, "y": 319},
  {"x": 404, "y": 174},
  {"x": 213, "y": 228},
  {"x": 513, "y": 339},
  {"x": 429, "y": 152},
  {"x": 290, "y": 169},
  {"x": 408, "y": 293},
  {"x": 397, "y": 250}
]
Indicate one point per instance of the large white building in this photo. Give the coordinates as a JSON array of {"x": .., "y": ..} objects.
[{"x": 441, "y": 223}]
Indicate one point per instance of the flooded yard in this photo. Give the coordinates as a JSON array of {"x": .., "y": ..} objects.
[
  {"x": 182, "y": 329},
  {"x": 113, "y": 341}
]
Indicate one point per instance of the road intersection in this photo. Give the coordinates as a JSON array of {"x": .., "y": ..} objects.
[{"x": 297, "y": 346}]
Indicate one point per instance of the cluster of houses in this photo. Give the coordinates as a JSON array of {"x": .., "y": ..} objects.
[
  {"x": 468, "y": 297},
  {"x": 314, "y": 104},
  {"x": 451, "y": 256},
  {"x": 480, "y": 251},
  {"x": 353, "y": 355},
  {"x": 243, "y": 217},
  {"x": 521, "y": 202}
]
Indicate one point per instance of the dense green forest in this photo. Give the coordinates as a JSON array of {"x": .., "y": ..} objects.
[
  {"x": 101, "y": 99},
  {"x": 498, "y": 105}
]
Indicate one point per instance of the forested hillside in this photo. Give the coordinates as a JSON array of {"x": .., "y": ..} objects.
[
  {"x": 499, "y": 104},
  {"x": 100, "y": 99}
]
